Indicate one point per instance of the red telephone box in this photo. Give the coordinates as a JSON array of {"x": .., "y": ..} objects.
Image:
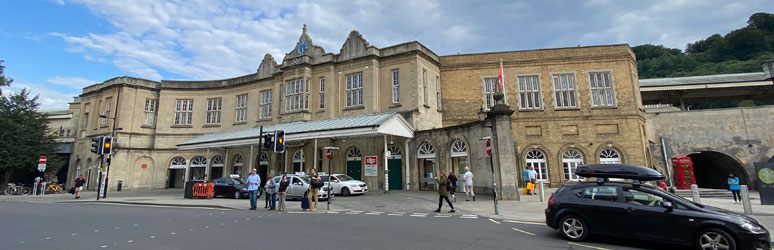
[{"x": 682, "y": 173}]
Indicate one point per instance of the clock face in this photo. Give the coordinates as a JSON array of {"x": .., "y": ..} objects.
[{"x": 302, "y": 48}]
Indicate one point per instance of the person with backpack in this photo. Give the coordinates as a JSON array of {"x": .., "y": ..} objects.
[
  {"x": 452, "y": 186},
  {"x": 443, "y": 192},
  {"x": 316, "y": 184},
  {"x": 79, "y": 186}
]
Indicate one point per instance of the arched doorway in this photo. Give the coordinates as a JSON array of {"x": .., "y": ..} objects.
[
  {"x": 571, "y": 158},
  {"x": 239, "y": 162},
  {"x": 711, "y": 169},
  {"x": 609, "y": 156},
  {"x": 537, "y": 160},
  {"x": 395, "y": 165},
  {"x": 176, "y": 175},
  {"x": 459, "y": 156},
  {"x": 198, "y": 167},
  {"x": 427, "y": 166},
  {"x": 216, "y": 167},
  {"x": 354, "y": 163},
  {"x": 298, "y": 161}
]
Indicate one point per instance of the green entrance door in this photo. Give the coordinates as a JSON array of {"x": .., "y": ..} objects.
[
  {"x": 396, "y": 175},
  {"x": 353, "y": 169}
]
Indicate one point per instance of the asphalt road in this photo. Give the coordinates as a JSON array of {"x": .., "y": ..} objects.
[{"x": 28, "y": 225}]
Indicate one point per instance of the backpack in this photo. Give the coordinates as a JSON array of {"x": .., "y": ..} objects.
[{"x": 317, "y": 183}]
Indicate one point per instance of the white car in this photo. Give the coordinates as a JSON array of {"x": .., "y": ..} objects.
[{"x": 345, "y": 185}]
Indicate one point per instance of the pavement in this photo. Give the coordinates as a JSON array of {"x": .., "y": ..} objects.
[{"x": 529, "y": 208}]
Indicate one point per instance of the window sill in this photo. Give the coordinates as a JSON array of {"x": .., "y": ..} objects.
[
  {"x": 567, "y": 109},
  {"x": 181, "y": 126},
  {"x": 264, "y": 120},
  {"x": 320, "y": 111},
  {"x": 210, "y": 125},
  {"x": 147, "y": 126},
  {"x": 239, "y": 123},
  {"x": 296, "y": 111},
  {"x": 355, "y": 107},
  {"x": 605, "y": 107},
  {"x": 396, "y": 105},
  {"x": 531, "y": 110}
]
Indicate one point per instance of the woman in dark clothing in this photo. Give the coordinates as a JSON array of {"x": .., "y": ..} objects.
[
  {"x": 443, "y": 192},
  {"x": 284, "y": 185},
  {"x": 452, "y": 186}
]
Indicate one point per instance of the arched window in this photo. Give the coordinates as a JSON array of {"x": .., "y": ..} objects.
[
  {"x": 354, "y": 154},
  {"x": 177, "y": 163},
  {"x": 426, "y": 150},
  {"x": 217, "y": 161},
  {"x": 609, "y": 156},
  {"x": 395, "y": 152},
  {"x": 198, "y": 161},
  {"x": 238, "y": 164},
  {"x": 298, "y": 161},
  {"x": 570, "y": 161},
  {"x": 537, "y": 160},
  {"x": 264, "y": 159},
  {"x": 459, "y": 149}
]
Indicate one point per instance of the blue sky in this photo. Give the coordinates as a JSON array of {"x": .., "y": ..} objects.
[{"x": 57, "y": 47}]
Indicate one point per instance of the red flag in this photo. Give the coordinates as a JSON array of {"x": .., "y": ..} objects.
[{"x": 500, "y": 76}]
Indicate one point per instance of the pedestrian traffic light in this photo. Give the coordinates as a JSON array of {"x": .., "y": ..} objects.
[
  {"x": 268, "y": 141},
  {"x": 279, "y": 141},
  {"x": 107, "y": 145},
  {"x": 96, "y": 145}
]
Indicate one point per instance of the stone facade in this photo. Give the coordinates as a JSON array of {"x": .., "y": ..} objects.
[{"x": 439, "y": 96}]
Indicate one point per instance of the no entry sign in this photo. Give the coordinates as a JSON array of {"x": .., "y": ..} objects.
[
  {"x": 42, "y": 160},
  {"x": 488, "y": 148},
  {"x": 328, "y": 153}
]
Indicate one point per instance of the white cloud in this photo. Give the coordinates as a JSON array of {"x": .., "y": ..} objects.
[
  {"x": 47, "y": 97},
  {"x": 57, "y": 2},
  {"x": 70, "y": 81}
]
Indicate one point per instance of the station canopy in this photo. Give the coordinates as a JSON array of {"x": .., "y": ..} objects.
[{"x": 357, "y": 126}]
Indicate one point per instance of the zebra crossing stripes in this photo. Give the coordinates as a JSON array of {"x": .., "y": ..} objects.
[
  {"x": 442, "y": 215},
  {"x": 469, "y": 216},
  {"x": 374, "y": 213},
  {"x": 418, "y": 215}
]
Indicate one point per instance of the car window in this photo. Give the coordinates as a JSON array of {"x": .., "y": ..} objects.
[
  {"x": 334, "y": 178},
  {"x": 344, "y": 178},
  {"x": 220, "y": 181},
  {"x": 603, "y": 193},
  {"x": 236, "y": 181},
  {"x": 296, "y": 180},
  {"x": 638, "y": 197}
]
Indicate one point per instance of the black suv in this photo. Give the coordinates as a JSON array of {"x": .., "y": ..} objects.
[{"x": 645, "y": 212}]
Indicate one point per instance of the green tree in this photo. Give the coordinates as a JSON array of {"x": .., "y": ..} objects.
[
  {"x": 3, "y": 80},
  {"x": 25, "y": 135},
  {"x": 762, "y": 21}
]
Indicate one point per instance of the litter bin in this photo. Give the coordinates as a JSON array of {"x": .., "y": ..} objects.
[{"x": 120, "y": 183}]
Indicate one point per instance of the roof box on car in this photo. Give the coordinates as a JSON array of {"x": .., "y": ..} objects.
[{"x": 623, "y": 171}]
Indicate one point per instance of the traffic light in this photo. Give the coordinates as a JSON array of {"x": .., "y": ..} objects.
[
  {"x": 96, "y": 145},
  {"x": 279, "y": 141},
  {"x": 107, "y": 145},
  {"x": 268, "y": 141}
]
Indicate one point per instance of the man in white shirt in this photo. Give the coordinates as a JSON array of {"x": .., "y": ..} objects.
[{"x": 468, "y": 179}]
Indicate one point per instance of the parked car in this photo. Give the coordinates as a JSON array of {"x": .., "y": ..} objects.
[
  {"x": 231, "y": 187},
  {"x": 298, "y": 185},
  {"x": 646, "y": 212},
  {"x": 344, "y": 185}
]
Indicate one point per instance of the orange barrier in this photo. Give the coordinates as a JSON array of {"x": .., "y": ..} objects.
[{"x": 203, "y": 190}]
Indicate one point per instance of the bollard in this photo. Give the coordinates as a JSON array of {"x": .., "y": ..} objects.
[
  {"x": 746, "y": 200},
  {"x": 695, "y": 193},
  {"x": 542, "y": 193}
]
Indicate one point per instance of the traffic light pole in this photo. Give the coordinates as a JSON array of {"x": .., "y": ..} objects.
[
  {"x": 99, "y": 176},
  {"x": 260, "y": 146}
]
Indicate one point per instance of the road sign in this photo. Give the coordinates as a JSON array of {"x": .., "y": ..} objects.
[
  {"x": 42, "y": 160},
  {"x": 488, "y": 148},
  {"x": 328, "y": 153},
  {"x": 41, "y": 167}
]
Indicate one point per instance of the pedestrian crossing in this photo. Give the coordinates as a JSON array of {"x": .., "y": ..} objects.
[{"x": 400, "y": 214}]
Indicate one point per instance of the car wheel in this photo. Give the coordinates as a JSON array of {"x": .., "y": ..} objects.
[
  {"x": 573, "y": 228},
  {"x": 237, "y": 194},
  {"x": 714, "y": 238},
  {"x": 345, "y": 192}
]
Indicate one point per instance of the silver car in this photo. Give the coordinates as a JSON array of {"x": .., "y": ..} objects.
[{"x": 299, "y": 185}]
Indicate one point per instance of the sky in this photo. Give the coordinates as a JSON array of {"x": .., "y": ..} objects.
[{"x": 56, "y": 47}]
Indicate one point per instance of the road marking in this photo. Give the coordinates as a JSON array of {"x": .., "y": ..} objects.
[
  {"x": 236, "y": 221},
  {"x": 222, "y": 224},
  {"x": 173, "y": 233},
  {"x": 74, "y": 234},
  {"x": 522, "y": 231},
  {"x": 153, "y": 236},
  {"x": 130, "y": 241},
  {"x": 375, "y": 213},
  {"x": 356, "y": 211},
  {"x": 353, "y": 212},
  {"x": 418, "y": 215},
  {"x": 21, "y": 242},
  {"x": 587, "y": 246},
  {"x": 206, "y": 226},
  {"x": 103, "y": 246},
  {"x": 397, "y": 214},
  {"x": 331, "y": 212},
  {"x": 469, "y": 216},
  {"x": 494, "y": 221},
  {"x": 190, "y": 230},
  {"x": 48, "y": 238},
  {"x": 247, "y": 218},
  {"x": 525, "y": 222},
  {"x": 96, "y": 231},
  {"x": 295, "y": 212},
  {"x": 118, "y": 228}
]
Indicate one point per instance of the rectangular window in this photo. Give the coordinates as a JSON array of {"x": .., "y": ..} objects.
[
  {"x": 265, "y": 112},
  {"x": 241, "y": 108},
  {"x": 86, "y": 108},
  {"x": 424, "y": 86},
  {"x": 322, "y": 93},
  {"x": 395, "y": 87},
  {"x": 296, "y": 95},
  {"x": 106, "y": 112},
  {"x": 565, "y": 92},
  {"x": 183, "y": 111},
  {"x": 490, "y": 87},
  {"x": 355, "y": 90},
  {"x": 151, "y": 107},
  {"x": 438, "y": 92},
  {"x": 602, "y": 93},
  {"x": 213, "y": 111},
  {"x": 529, "y": 93}
]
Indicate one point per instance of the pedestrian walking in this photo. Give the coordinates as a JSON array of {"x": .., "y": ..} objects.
[
  {"x": 532, "y": 179},
  {"x": 733, "y": 185},
  {"x": 271, "y": 193},
  {"x": 527, "y": 179},
  {"x": 253, "y": 181},
  {"x": 468, "y": 179},
  {"x": 443, "y": 193},
  {"x": 79, "y": 186},
  {"x": 284, "y": 185},
  {"x": 452, "y": 186},
  {"x": 266, "y": 191},
  {"x": 316, "y": 184}
]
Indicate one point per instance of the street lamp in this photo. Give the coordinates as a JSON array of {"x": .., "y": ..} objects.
[
  {"x": 109, "y": 160},
  {"x": 329, "y": 155},
  {"x": 482, "y": 116},
  {"x": 768, "y": 69}
]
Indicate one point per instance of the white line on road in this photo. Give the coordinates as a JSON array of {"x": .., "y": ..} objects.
[
  {"x": 587, "y": 246},
  {"x": 397, "y": 214},
  {"x": 130, "y": 241},
  {"x": 96, "y": 231},
  {"x": 332, "y": 212},
  {"x": 153, "y": 236},
  {"x": 522, "y": 231},
  {"x": 418, "y": 215},
  {"x": 375, "y": 213},
  {"x": 48, "y": 238},
  {"x": 441, "y": 216}
]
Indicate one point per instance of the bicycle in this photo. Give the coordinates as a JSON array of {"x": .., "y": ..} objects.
[
  {"x": 17, "y": 189},
  {"x": 55, "y": 188}
]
